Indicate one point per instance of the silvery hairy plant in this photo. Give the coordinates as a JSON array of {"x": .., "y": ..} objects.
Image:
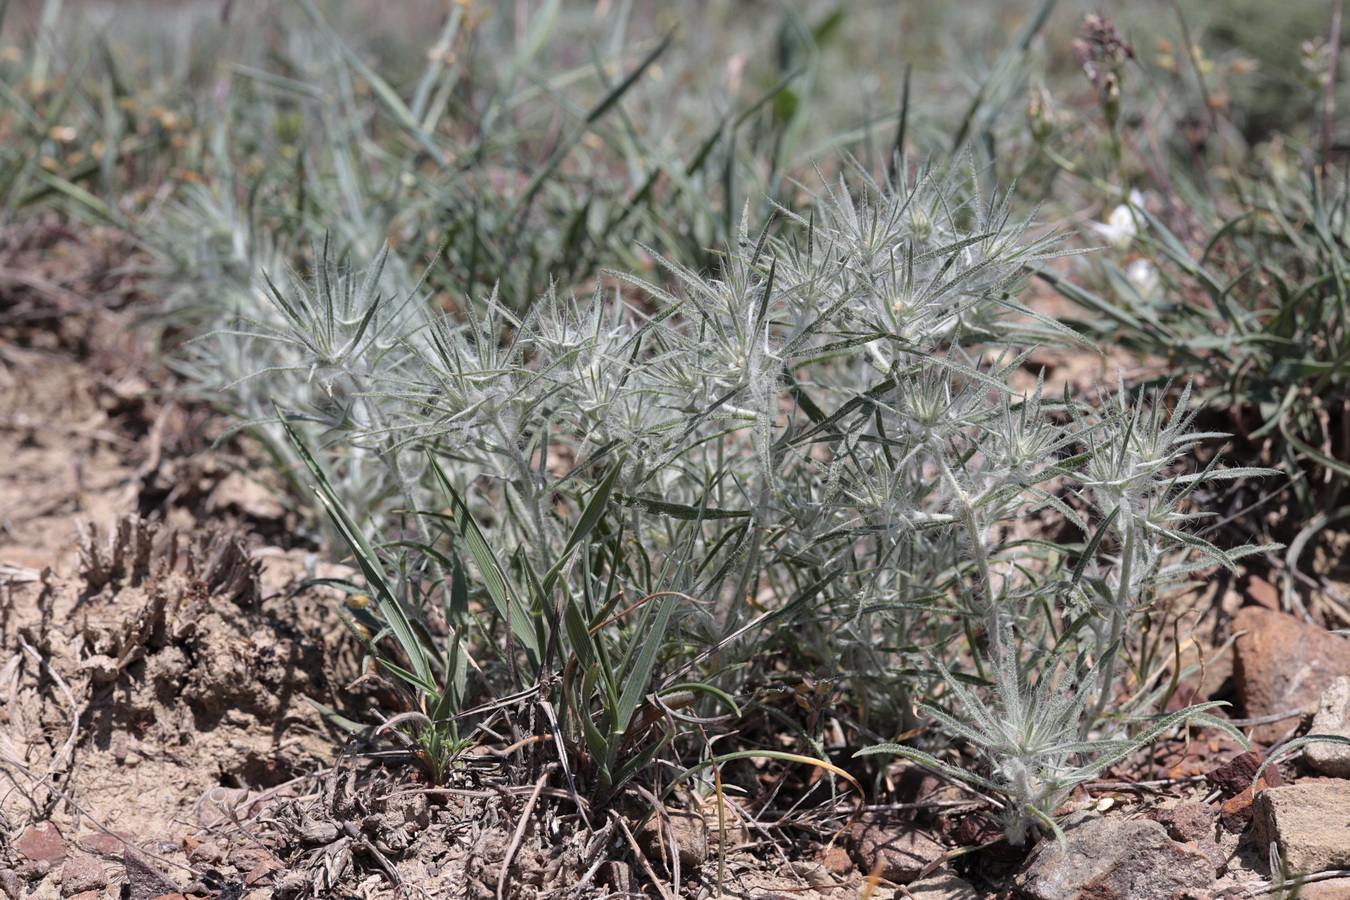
[
  {"x": 1134, "y": 479},
  {"x": 1039, "y": 736},
  {"x": 317, "y": 343},
  {"x": 824, "y": 433},
  {"x": 1026, "y": 732}
]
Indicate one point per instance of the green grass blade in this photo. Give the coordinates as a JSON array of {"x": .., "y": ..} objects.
[
  {"x": 649, "y": 635},
  {"x": 366, "y": 558},
  {"x": 506, "y": 600},
  {"x": 595, "y": 510}
]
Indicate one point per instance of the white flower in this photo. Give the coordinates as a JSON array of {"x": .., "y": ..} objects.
[
  {"x": 1121, "y": 226},
  {"x": 1144, "y": 276}
]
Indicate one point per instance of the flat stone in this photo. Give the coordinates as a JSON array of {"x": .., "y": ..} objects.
[
  {"x": 942, "y": 886},
  {"x": 814, "y": 874},
  {"x": 1309, "y": 823},
  {"x": 1213, "y": 852},
  {"x": 690, "y": 832},
  {"x": 1333, "y": 717},
  {"x": 209, "y": 853},
  {"x": 1263, "y": 592},
  {"x": 102, "y": 842},
  {"x": 82, "y": 873},
  {"x": 42, "y": 842},
  {"x": 895, "y": 850},
  {"x": 1283, "y": 664},
  {"x": 246, "y": 858},
  {"x": 1331, "y": 889},
  {"x": 1193, "y": 823},
  {"x": 1115, "y": 858},
  {"x": 914, "y": 784},
  {"x": 836, "y": 861},
  {"x": 143, "y": 880},
  {"x": 1190, "y": 821},
  {"x": 262, "y": 872}
]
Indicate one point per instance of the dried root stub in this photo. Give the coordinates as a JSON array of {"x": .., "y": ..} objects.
[{"x": 137, "y": 549}]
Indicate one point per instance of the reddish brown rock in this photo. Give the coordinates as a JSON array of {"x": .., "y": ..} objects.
[
  {"x": 81, "y": 874},
  {"x": 1236, "y": 812},
  {"x": 11, "y": 884},
  {"x": 896, "y": 851},
  {"x": 1212, "y": 852},
  {"x": 1235, "y": 778},
  {"x": 42, "y": 842},
  {"x": 1189, "y": 821},
  {"x": 247, "y": 858},
  {"x": 1236, "y": 775},
  {"x": 837, "y": 862},
  {"x": 209, "y": 853},
  {"x": 261, "y": 874},
  {"x": 1263, "y": 592},
  {"x": 104, "y": 843},
  {"x": 1282, "y": 664},
  {"x": 143, "y": 880}
]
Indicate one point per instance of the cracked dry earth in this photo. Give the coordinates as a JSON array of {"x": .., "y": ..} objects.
[{"x": 161, "y": 679}]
